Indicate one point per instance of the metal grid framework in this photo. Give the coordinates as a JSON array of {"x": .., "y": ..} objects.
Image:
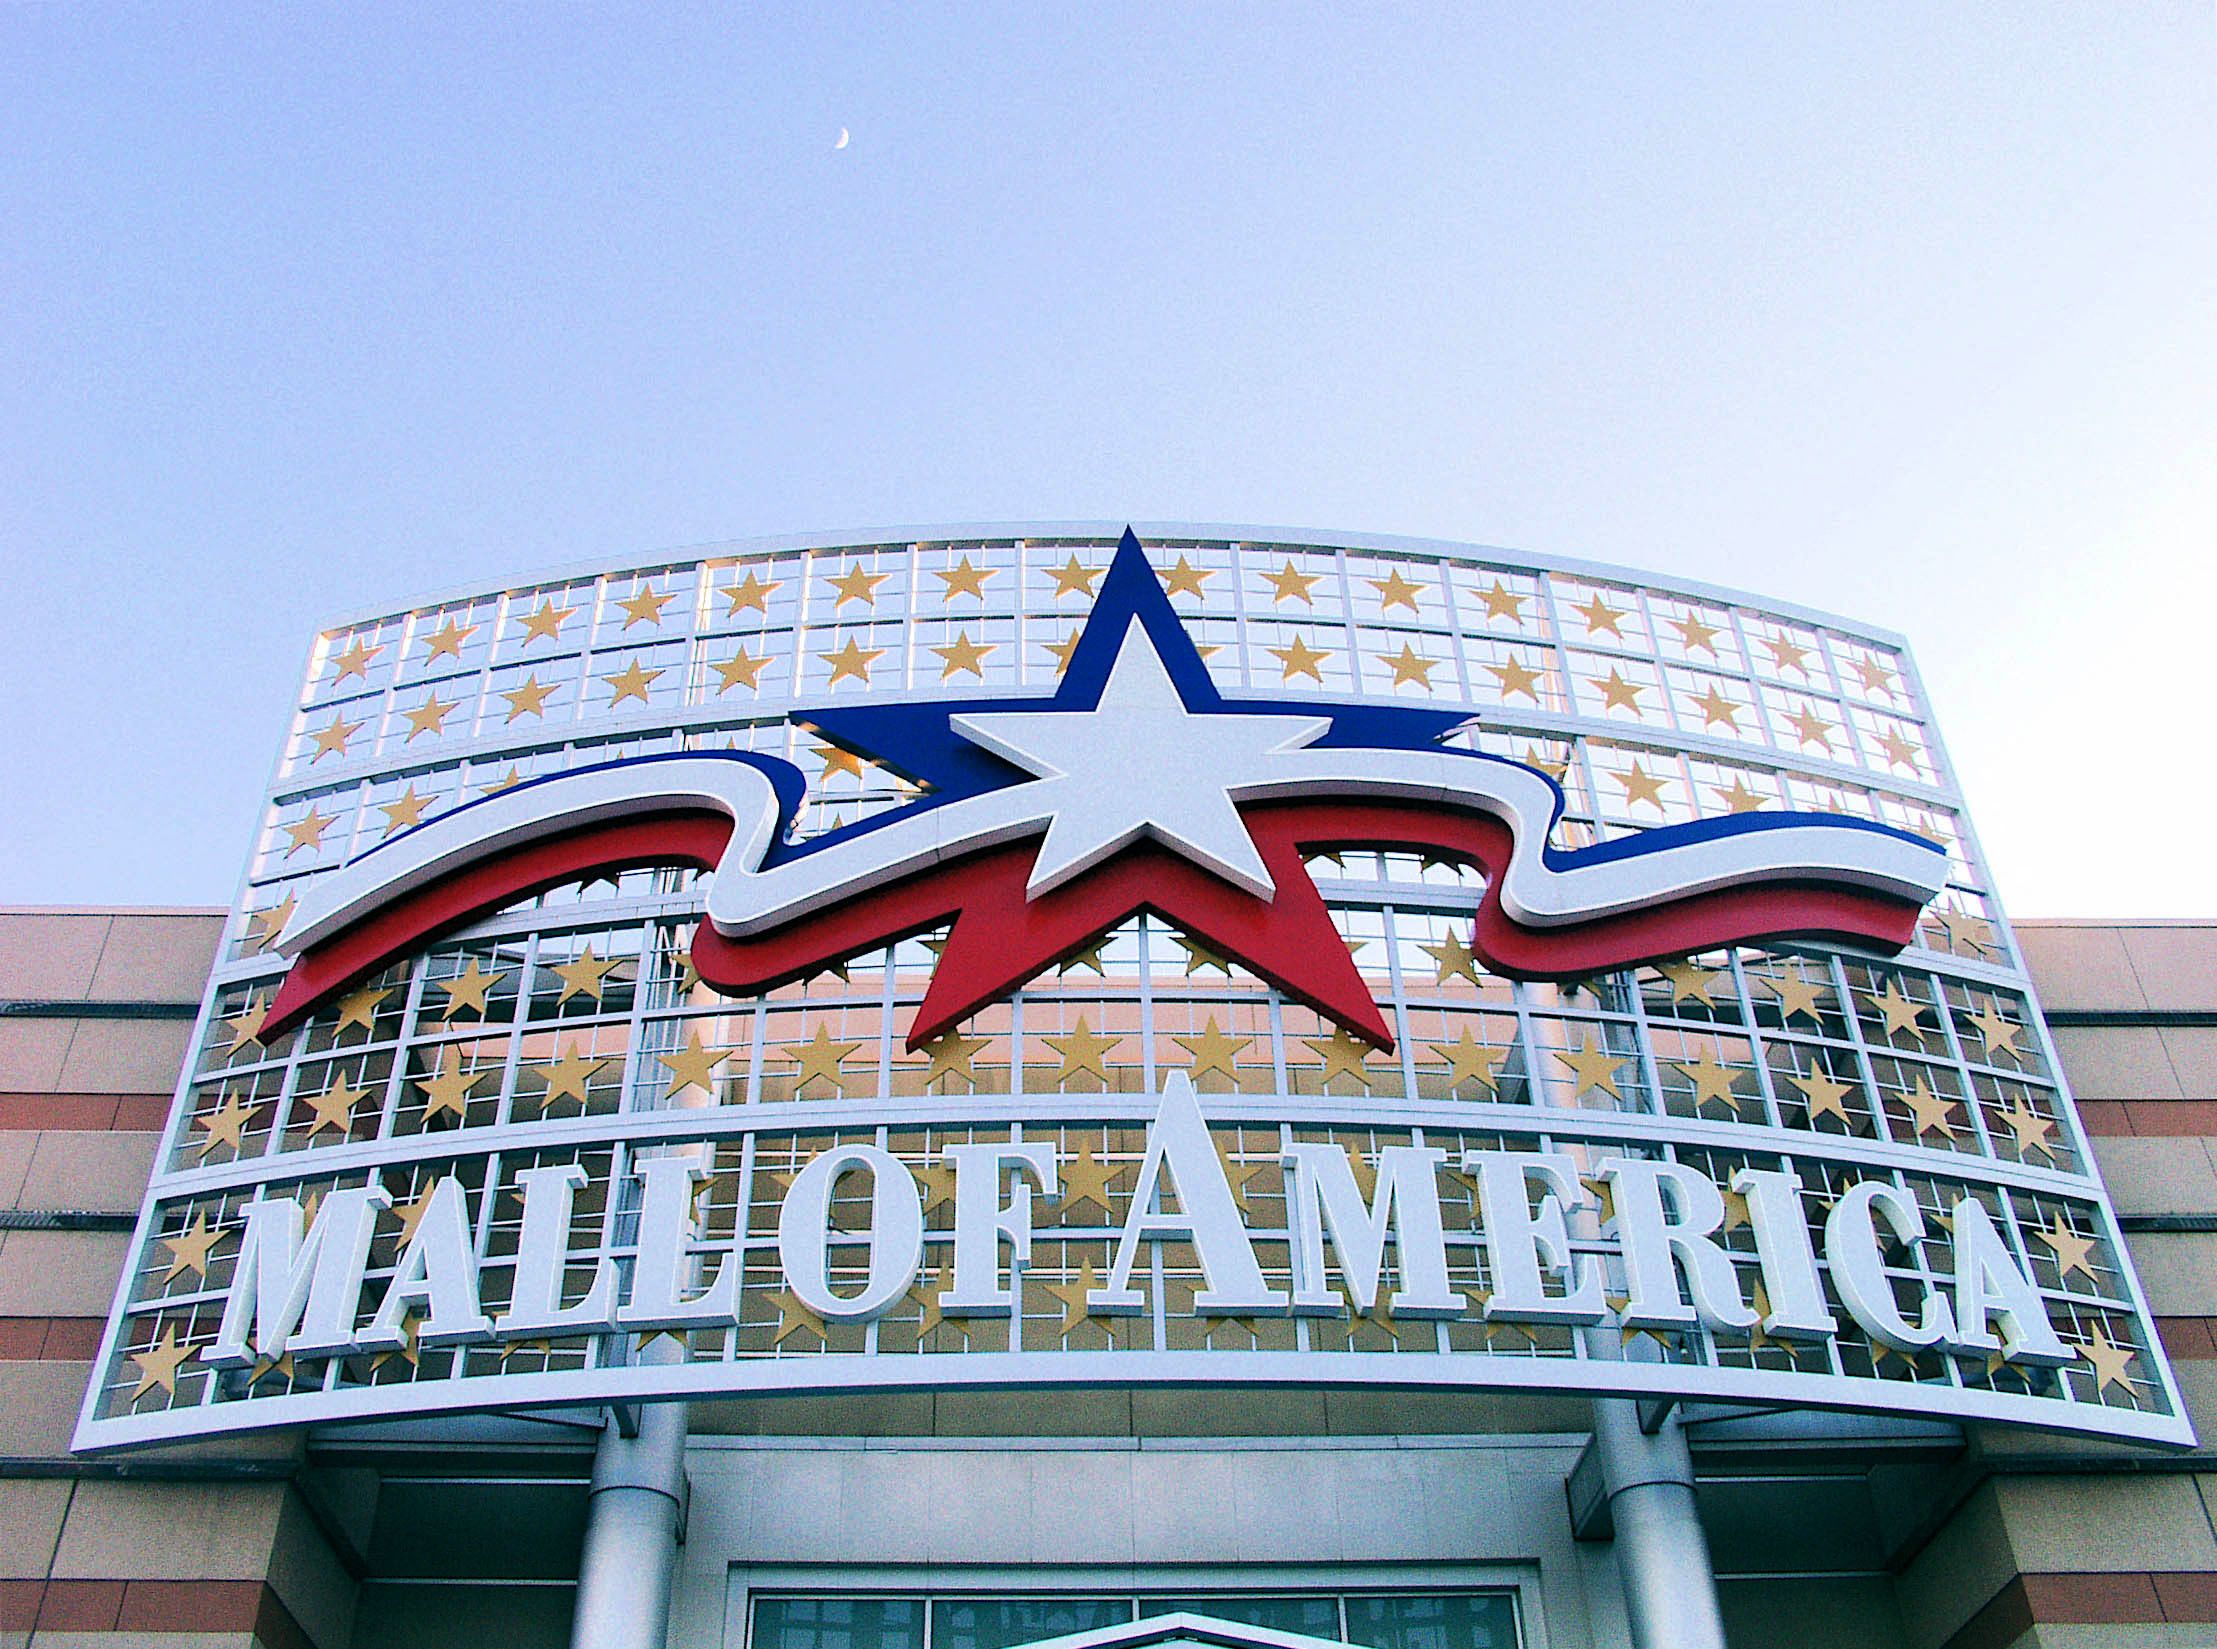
[{"x": 571, "y": 1028}]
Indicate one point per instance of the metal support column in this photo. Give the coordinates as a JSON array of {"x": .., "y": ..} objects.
[
  {"x": 1670, "y": 1590},
  {"x": 632, "y": 1532}
]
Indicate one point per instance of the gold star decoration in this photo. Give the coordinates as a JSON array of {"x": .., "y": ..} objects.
[
  {"x": 334, "y": 1107},
  {"x": 1289, "y": 583},
  {"x": 190, "y": 1248},
  {"x": 1591, "y": 1067},
  {"x": 1875, "y": 676},
  {"x": 1786, "y": 654},
  {"x": 527, "y": 699},
  {"x": 307, "y": 831},
  {"x": 447, "y": 639},
  {"x": 1899, "y": 752},
  {"x": 507, "y": 781},
  {"x": 2030, "y": 1128},
  {"x": 265, "y": 925},
  {"x": 1503, "y": 602},
  {"x": 837, "y": 760},
  {"x": 1343, "y": 1055},
  {"x": 1515, "y": 676},
  {"x": 692, "y": 1066},
  {"x": 1214, "y": 1049},
  {"x": 2110, "y": 1361},
  {"x": 1199, "y": 956},
  {"x": 1930, "y": 1110},
  {"x": 2073, "y": 1252},
  {"x": 1088, "y": 956},
  {"x": 1823, "y": 1093},
  {"x": 1712, "y": 1081},
  {"x": 851, "y": 662},
  {"x": 429, "y": 716},
  {"x": 1690, "y": 982},
  {"x": 1084, "y": 1177},
  {"x": 1616, "y": 692},
  {"x": 1062, "y": 650},
  {"x": 226, "y": 1125},
  {"x": 856, "y": 585},
  {"x": 333, "y": 740},
  {"x": 467, "y": 989},
  {"x": 963, "y": 654},
  {"x": 1410, "y": 666},
  {"x": 742, "y": 669},
  {"x": 751, "y": 592},
  {"x": 1715, "y": 708},
  {"x": 359, "y": 1007},
  {"x": 645, "y": 606},
  {"x": 1641, "y": 786},
  {"x": 355, "y": 661},
  {"x": 819, "y": 1059},
  {"x": 246, "y": 1025},
  {"x": 587, "y": 976},
  {"x": 1186, "y": 579},
  {"x": 965, "y": 577},
  {"x": 158, "y": 1365},
  {"x": 1812, "y": 728},
  {"x": 632, "y": 682},
  {"x": 1967, "y": 929},
  {"x": 927, "y": 1294},
  {"x": 1395, "y": 591},
  {"x": 1082, "y": 1052},
  {"x": 1601, "y": 618},
  {"x": 951, "y": 1057},
  {"x": 448, "y": 1086},
  {"x": 544, "y": 623},
  {"x": 568, "y": 1077},
  {"x": 1692, "y": 633},
  {"x": 1797, "y": 994},
  {"x": 403, "y": 812},
  {"x": 1738, "y": 799},
  {"x": 1300, "y": 659},
  {"x": 1074, "y": 1295},
  {"x": 1452, "y": 959},
  {"x": 2000, "y": 1034},
  {"x": 793, "y": 1317},
  {"x": 1073, "y": 578},
  {"x": 1900, "y": 1011},
  {"x": 1470, "y": 1063}
]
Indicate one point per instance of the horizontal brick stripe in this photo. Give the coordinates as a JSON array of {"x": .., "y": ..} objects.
[
  {"x": 84, "y": 1113},
  {"x": 2192, "y": 1338},
  {"x": 2152, "y": 1118},
  {"x": 2140, "y": 1598},
  {"x": 49, "y": 1339},
  {"x": 231, "y": 1606}
]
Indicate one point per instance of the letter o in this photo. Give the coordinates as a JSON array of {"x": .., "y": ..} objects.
[{"x": 896, "y": 1233}]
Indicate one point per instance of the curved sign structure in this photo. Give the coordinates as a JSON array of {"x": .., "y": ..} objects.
[{"x": 1051, "y": 956}]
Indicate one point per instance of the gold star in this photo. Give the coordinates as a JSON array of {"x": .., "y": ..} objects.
[
  {"x": 1088, "y": 957},
  {"x": 1812, "y": 728},
  {"x": 411, "y": 1329},
  {"x": 2031, "y": 1128},
  {"x": 1199, "y": 956},
  {"x": 1073, "y": 579},
  {"x": 1343, "y": 1055},
  {"x": 569, "y": 1077},
  {"x": 856, "y": 585},
  {"x": 1452, "y": 959},
  {"x": 1715, "y": 708},
  {"x": 333, "y": 740},
  {"x": 1785, "y": 655},
  {"x": 1291, "y": 584},
  {"x": 2072, "y": 1251},
  {"x": 355, "y": 661},
  {"x": 1409, "y": 666},
  {"x": 307, "y": 830},
  {"x": 927, "y": 1293},
  {"x": 645, "y": 607},
  {"x": 1876, "y": 677},
  {"x": 1502, "y": 602},
  {"x": 851, "y": 662},
  {"x": 265, "y": 925},
  {"x": 1693, "y": 633},
  {"x": 1616, "y": 692},
  {"x": 2110, "y": 1361},
  {"x": 1712, "y": 1081},
  {"x": 1899, "y": 752},
  {"x": 1641, "y": 786},
  {"x": 189, "y": 1249},
  {"x": 246, "y": 1025},
  {"x": 693, "y": 1066},
  {"x": 404, "y": 811},
  {"x": 507, "y": 781},
  {"x": 158, "y": 1365},
  {"x": 1600, "y": 616},
  {"x": 965, "y": 577},
  {"x": 1796, "y": 994},
  {"x": 334, "y": 1107},
  {"x": 1591, "y": 1066},
  {"x": 1690, "y": 981},
  {"x": 951, "y": 1056},
  {"x": 963, "y": 654},
  {"x": 819, "y": 1059},
  {"x": 1739, "y": 799},
  {"x": 1964, "y": 928},
  {"x": 1214, "y": 1050},
  {"x": 545, "y": 622},
  {"x": 1737, "y": 1214},
  {"x": 1901, "y": 1012},
  {"x": 448, "y": 1086},
  {"x": 467, "y": 989},
  {"x": 1063, "y": 650},
  {"x": 1395, "y": 591},
  {"x": 226, "y": 1125},
  {"x": 1469, "y": 1062},
  {"x": 529, "y": 699},
  {"x": 587, "y": 976},
  {"x": 792, "y": 1317},
  {"x": 2000, "y": 1034},
  {"x": 739, "y": 670},
  {"x": 1082, "y": 1052},
  {"x": 1515, "y": 676},
  {"x": 1300, "y": 659},
  {"x": 1929, "y": 1109},
  {"x": 750, "y": 592},
  {"x": 448, "y": 639},
  {"x": 429, "y": 716},
  {"x": 1084, "y": 1177},
  {"x": 1074, "y": 1295},
  {"x": 632, "y": 682},
  {"x": 1186, "y": 579},
  {"x": 836, "y": 760},
  {"x": 1824, "y": 1093},
  {"x": 360, "y": 1008}
]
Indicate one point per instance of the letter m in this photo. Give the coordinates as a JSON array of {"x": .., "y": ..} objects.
[
  {"x": 301, "y": 1293},
  {"x": 1323, "y": 1200}
]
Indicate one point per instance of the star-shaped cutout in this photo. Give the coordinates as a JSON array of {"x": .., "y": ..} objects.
[
  {"x": 507, "y": 781},
  {"x": 750, "y": 594},
  {"x": 1083, "y": 1053},
  {"x": 190, "y": 1248},
  {"x": 468, "y": 989},
  {"x": 928, "y": 1293},
  {"x": 632, "y": 682},
  {"x": 742, "y": 669},
  {"x": 1186, "y": 579},
  {"x": 1395, "y": 591},
  {"x": 963, "y": 654},
  {"x": 1214, "y": 1050},
  {"x": 851, "y": 662},
  {"x": 158, "y": 1364},
  {"x": 1289, "y": 583},
  {"x": 1470, "y": 1063},
  {"x": 355, "y": 660},
  {"x": 644, "y": 606},
  {"x": 333, "y": 740},
  {"x": 544, "y": 623},
  {"x": 1299, "y": 659},
  {"x": 692, "y": 1066},
  {"x": 819, "y": 1059},
  {"x": 965, "y": 577},
  {"x": 1073, "y": 577},
  {"x": 1967, "y": 930},
  {"x": 1515, "y": 676},
  {"x": 587, "y": 976}
]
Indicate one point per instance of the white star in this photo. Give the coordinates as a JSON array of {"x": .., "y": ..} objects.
[{"x": 1140, "y": 764}]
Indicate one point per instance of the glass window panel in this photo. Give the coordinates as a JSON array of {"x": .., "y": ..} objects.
[
  {"x": 838, "y": 1623},
  {"x": 1408, "y": 1620},
  {"x": 1003, "y": 1622},
  {"x": 1313, "y": 1616}
]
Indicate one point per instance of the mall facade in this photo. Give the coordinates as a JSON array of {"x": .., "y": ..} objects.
[{"x": 973, "y": 1088}]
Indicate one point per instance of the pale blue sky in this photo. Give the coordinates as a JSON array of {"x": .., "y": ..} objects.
[{"x": 1908, "y": 312}]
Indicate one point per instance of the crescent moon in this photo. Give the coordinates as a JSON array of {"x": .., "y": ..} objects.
[{"x": 842, "y": 143}]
